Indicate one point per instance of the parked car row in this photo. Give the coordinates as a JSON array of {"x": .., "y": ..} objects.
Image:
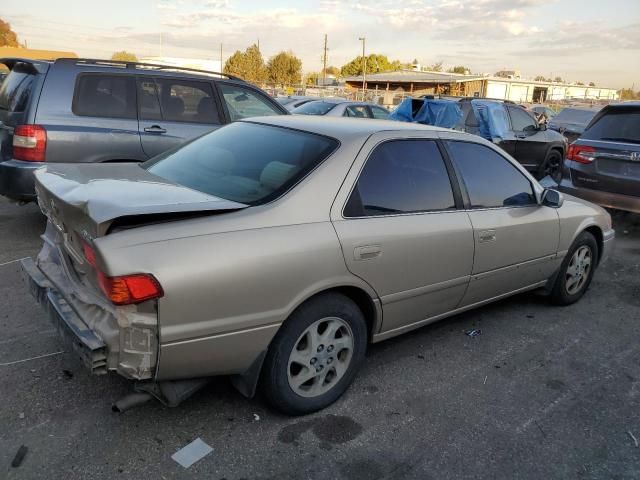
[{"x": 170, "y": 213}]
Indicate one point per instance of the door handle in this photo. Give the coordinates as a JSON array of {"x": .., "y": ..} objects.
[
  {"x": 155, "y": 129},
  {"x": 521, "y": 136},
  {"x": 487, "y": 236},
  {"x": 367, "y": 251}
]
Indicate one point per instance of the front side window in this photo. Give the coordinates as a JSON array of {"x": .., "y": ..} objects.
[
  {"x": 244, "y": 162},
  {"x": 243, "y": 102},
  {"x": 491, "y": 180},
  {"x": 112, "y": 96},
  {"x": 520, "y": 120},
  {"x": 379, "y": 113},
  {"x": 402, "y": 176}
]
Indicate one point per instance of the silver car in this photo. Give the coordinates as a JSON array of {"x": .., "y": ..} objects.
[
  {"x": 275, "y": 250},
  {"x": 339, "y": 107}
]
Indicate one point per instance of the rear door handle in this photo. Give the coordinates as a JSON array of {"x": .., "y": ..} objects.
[
  {"x": 521, "y": 136},
  {"x": 367, "y": 251},
  {"x": 155, "y": 129}
]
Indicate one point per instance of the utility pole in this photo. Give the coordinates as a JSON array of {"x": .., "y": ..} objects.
[
  {"x": 324, "y": 63},
  {"x": 364, "y": 68}
]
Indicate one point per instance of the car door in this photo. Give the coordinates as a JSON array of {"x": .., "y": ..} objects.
[
  {"x": 400, "y": 229},
  {"x": 243, "y": 101},
  {"x": 174, "y": 110},
  {"x": 516, "y": 239},
  {"x": 531, "y": 141}
]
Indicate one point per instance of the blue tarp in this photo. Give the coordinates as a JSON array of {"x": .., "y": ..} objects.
[
  {"x": 492, "y": 119},
  {"x": 440, "y": 113}
]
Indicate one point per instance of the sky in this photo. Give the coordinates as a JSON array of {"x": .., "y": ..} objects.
[{"x": 579, "y": 40}]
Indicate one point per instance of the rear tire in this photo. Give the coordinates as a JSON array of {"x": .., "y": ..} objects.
[
  {"x": 315, "y": 355},
  {"x": 576, "y": 271},
  {"x": 552, "y": 166}
]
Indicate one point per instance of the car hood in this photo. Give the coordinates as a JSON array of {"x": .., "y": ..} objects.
[{"x": 89, "y": 198}]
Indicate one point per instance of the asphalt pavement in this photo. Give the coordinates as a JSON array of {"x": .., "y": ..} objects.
[{"x": 543, "y": 393}]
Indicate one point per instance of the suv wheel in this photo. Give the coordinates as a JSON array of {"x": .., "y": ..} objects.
[
  {"x": 576, "y": 270},
  {"x": 315, "y": 356},
  {"x": 552, "y": 166}
]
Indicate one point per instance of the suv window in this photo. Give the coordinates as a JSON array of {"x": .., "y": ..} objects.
[
  {"x": 491, "y": 180},
  {"x": 176, "y": 100},
  {"x": 244, "y": 102},
  {"x": 15, "y": 91},
  {"x": 402, "y": 176},
  {"x": 359, "y": 111},
  {"x": 521, "y": 120},
  {"x": 379, "y": 113},
  {"x": 617, "y": 125},
  {"x": 105, "y": 96}
]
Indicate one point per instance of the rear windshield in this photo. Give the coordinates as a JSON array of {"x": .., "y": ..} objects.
[
  {"x": 575, "y": 115},
  {"x": 244, "y": 162},
  {"x": 618, "y": 125},
  {"x": 15, "y": 91},
  {"x": 314, "y": 108}
]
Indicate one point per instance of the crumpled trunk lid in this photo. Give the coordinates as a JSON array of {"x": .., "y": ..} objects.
[{"x": 88, "y": 199}]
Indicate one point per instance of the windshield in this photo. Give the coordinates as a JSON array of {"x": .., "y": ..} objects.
[
  {"x": 622, "y": 125},
  {"x": 244, "y": 162},
  {"x": 575, "y": 115},
  {"x": 314, "y": 108}
]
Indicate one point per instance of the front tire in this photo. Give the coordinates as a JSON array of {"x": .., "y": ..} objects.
[
  {"x": 315, "y": 356},
  {"x": 576, "y": 271}
]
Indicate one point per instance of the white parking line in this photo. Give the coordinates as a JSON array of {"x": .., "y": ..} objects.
[
  {"x": 13, "y": 261},
  {"x": 32, "y": 358}
]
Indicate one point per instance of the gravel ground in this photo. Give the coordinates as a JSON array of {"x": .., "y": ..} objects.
[{"x": 544, "y": 392}]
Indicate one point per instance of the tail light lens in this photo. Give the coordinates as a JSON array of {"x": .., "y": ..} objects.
[
  {"x": 127, "y": 289},
  {"x": 29, "y": 143},
  {"x": 581, "y": 153},
  {"x": 130, "y": 289}
]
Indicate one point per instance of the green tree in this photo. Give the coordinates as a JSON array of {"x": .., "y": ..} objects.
[
  {"x": 628, "y": 94},
  {"x": 285, "y": 69},
  {"x": 591, "y": 84},
  {"x": 8, "y": 37},
  {"x": 312, "y": 78},
  {"x": 436, "y": 67},
  {"x": 579, "y": 83},
  {"x": 459, "y": 69},
  {"x": 542, "y": 78},
  {"x": 558, "y": 80},
  {"x": 124, "y": 56},
  {"x": 335, "y": 71},
  {"x": 248, "y": 65},
  {"x": 375, "y": 64}
]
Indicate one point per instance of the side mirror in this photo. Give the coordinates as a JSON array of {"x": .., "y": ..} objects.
[
  {"x": 542, "y": 126},
  {"x": 551, "y": 198}
]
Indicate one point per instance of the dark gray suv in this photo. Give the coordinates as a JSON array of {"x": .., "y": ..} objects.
[{"x": 82, "y": 110}]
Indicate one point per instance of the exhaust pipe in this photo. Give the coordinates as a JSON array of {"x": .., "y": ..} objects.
[{"x": 130, "y": 401}]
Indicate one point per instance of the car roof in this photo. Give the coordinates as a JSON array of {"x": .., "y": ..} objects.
[{"x": 339, "y": 127}]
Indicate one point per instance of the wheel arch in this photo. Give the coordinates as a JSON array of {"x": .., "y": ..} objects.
[{"x": 596, "y": 231}]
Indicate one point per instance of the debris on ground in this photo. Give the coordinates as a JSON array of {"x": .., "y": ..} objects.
[
  {"x": 19, "y": 458},
  {"x": 190, "y": 454},
  {"x": 485, "y": 379},
  {"x": 635, "y": 440},
  {"x": 473, "y": 333},
  {"x": 531, "y": 316},
  {"x": 67, "y": 373},
  {"x": 256, "y": 417},
  {"x": 21, "y": 415},
  {"x": 420, "y": 356}
]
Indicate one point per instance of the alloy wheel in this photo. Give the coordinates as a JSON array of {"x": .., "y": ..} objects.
[{"x": 578, "y": 270}]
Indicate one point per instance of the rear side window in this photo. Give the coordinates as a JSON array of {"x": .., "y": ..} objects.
[
  {"x": 402, "y": 176},
  {"x": 379, "y": 113},
  {"x": 243, "y": 102},
  {"x": 358, "y": 111},
  {"x": 112, "y": 96},
  {"x": 15, "y": 91},
  {"x": 617, "y": 125},
  {"x": 491, "y": 180}
]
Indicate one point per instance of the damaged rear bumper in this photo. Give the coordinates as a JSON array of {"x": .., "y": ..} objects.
[{"x": 77, "y": 336}]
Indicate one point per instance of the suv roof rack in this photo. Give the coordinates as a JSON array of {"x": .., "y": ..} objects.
[{"x": 149, "y": 66}]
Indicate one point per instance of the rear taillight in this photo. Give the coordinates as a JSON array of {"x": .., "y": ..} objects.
[
  {"x": 581, "y": 153},
  {"x": 29, "y": 143},
  {"x": 126, "y": 289},
  {"x": 129, "y": 289}
]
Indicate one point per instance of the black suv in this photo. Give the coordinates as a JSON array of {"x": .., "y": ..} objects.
[
  {"x": 539, "y": 150},
  {"x": 603, "y": 164},
  {"x": 83, "y": 110}
]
